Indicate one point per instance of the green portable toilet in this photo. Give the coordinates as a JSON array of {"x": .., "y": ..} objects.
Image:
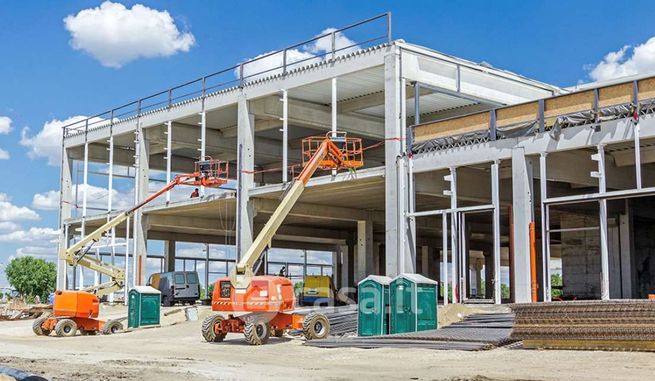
[
  {"x": 413, "y": 300},
  {"x": 143, "y": 308},
  {"x": 373, "y": 305}
]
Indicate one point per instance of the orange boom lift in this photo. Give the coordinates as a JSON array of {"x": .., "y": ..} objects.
[
  {"x": 78, "y": 310},
  {"x": 261, "y": 305}
]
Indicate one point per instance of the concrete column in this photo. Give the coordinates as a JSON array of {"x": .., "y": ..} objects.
[
  {"x": 246, "y": 179},
  {"x": 434, "y": 269},
  {"x": 392, "y": 150},
  {"x": 140, "y": 221},
  {"x": 488, "y": 275},
  {"x": 425, "y": 261},
  {"x": 343, "y": 266},
  {"x": 364, "y": 249},
  {"x": 628, "y": 275},
  {"x": 375, "y": 265},
  {"x": 169, "y": 256},
  {"x": 523, "y": 215},
  {"x": 352, "y": 247},
  {"x": 477, "y": 267},
  {"x": 65, "y": 212}
]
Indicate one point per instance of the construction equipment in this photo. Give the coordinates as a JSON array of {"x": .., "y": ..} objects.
[
  {"x": 78, "y": 310},
  {"x": 266, "y": 303},
  {"x": 317, "y": 290}
]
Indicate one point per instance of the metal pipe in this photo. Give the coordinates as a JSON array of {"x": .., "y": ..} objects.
[
  {"x": 495, "y": 198},
  {"x": 285, "y": 136},
  {"x": 533, "y": 263},
  {"x": 453, "y": 233},
  {"x": 543, "y": 190},
  {"x": 417, "y": 103},
  {"x": 127, "y": 260},
  {"x": 169, "y": 155},
  {"x": 203, "y": 142},
  {"x": 444, "y": 256}
]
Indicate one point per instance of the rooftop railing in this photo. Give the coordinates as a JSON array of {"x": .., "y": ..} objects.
[{"x": 325, "y": 47}]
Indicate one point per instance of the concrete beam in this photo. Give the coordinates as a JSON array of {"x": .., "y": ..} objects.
[
  {"x": 98, "y": 154},
  {"x": 317, "y": 116},
  {"x": 317, "y": 211}
]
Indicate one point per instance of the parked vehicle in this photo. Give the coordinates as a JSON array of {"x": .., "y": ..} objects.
[{"x": 176, "y": 286}]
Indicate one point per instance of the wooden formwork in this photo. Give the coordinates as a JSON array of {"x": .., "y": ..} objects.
[{"x": 556, "y": 106}]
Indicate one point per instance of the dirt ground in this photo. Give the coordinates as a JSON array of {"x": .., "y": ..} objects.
[{"x": 176, "y": 351}]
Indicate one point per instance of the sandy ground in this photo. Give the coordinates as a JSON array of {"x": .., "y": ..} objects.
[{"x": 178, "y": 352}]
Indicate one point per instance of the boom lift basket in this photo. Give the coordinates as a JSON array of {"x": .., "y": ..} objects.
[
  {"x": 211, "y": 173},
  {"x": 351, "y": 151}
]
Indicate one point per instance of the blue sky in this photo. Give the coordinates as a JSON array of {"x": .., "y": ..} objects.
[{"x": 50, "y": 70}]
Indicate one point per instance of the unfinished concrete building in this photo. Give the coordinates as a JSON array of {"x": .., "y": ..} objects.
[{"x": 468, "y": 170}]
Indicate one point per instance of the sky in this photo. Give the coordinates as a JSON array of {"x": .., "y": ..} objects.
[{"x": 62, "y": 60}]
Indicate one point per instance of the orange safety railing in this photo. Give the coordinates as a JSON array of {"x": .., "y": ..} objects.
[
  {"x": 351, "y": 152},
  {"x": 211, "y": 173}
]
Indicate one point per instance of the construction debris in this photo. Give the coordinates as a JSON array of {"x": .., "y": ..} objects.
[
  {"x": 591, "y": 325},
  {"x": 19, "y": 311},
  {"x": 475, "y": 332}
]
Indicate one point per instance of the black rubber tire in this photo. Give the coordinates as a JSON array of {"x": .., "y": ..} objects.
[
  {"x": 165, "y": 302},
  {"x": 315, "y": 326},
  {"x": 278, "y": 333},
  {"x": 257, "y": 331},
  {"x": 111, "y": 327},
  {"x": 66, "y": 328},
  {"x": 37, "y": 326},
  {"x": 208, "y": 329}
]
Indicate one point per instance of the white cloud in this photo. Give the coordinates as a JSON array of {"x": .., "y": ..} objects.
[
  {"x": 342, "y": 44},
  {"x": 311, "y": 53},
  {"x": 116, "y": 35},
  {"x": 8, "y": 226},
  {"x": 626, "y": 61},
  {"x": 46, "y": 201},
  {"x": 11, "y": 212},
  {"x": 5, "y": 128},
  {"x": 5, "y": 125},
  {"x": 33, "y": 235},
  {"x": 47, "y": 142},
  {"x": 45, "y": 252}
]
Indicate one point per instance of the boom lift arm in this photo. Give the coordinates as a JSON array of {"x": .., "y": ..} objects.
[
  {"x": 331, "y": 152},
  {"x": 208, "y": 173}
]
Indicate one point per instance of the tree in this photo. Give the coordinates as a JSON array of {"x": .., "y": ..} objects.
[
  {"x": 556, "y": 286},
  {"x": 31, "y": 276}
]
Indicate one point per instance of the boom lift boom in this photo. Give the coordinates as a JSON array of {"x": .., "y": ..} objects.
[
  {"x": 73, "y": 310},
  {"x": 269, "y": 299}
]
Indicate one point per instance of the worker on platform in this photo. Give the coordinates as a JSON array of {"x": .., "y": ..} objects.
[
  {"x": 195, "y": 193},
  {"x": 282, "y": 271}
]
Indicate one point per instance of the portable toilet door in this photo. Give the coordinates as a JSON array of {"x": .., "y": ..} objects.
[
  {"x": 402, "y": 298},
  {"x": 373, "y": 306},
  {"x": 144, "y": 307},
  {"x": 413, "y": 303}
]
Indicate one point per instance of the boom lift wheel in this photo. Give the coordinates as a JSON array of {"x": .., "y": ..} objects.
[
  {"x": 208, "y": 328},
  {"x": 66, "y": 328},
  {"x": 111, "y": 327},
  {"x": 256, "y": 330},
  {"x": 37, "y": 326},
  {"x": 315, "y": 326}
]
